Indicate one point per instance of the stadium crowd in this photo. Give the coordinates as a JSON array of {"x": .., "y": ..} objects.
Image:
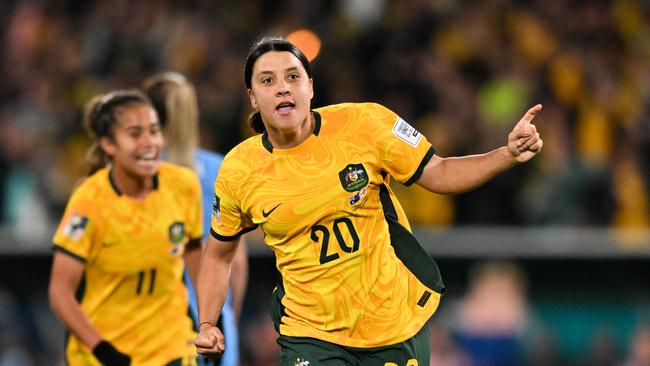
[{"x": 459, "y": 71}]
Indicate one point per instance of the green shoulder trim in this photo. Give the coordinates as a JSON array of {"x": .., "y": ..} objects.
[
  {"x": 418, "y": 172},
  {"x": 60, "y": 249},
  {"x": 232, "y": 237}
]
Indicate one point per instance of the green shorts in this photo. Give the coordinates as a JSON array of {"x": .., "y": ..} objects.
[{"x": 302, "y": 351}]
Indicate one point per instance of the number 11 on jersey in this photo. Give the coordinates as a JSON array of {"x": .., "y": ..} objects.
[{"x": 141, "y": 281}]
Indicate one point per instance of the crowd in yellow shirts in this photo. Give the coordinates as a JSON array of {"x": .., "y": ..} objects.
[
  {"x": 456, "y": 70},
  {"x": 459, "y": 71}
]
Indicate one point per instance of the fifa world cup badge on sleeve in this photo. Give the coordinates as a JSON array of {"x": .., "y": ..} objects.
[
  {"x": 406, "y": 132},
  {"x": 76, "y": 227}
]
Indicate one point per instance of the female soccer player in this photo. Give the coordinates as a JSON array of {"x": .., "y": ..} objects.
[
  {"x": 356, "y": 287},
  {"x": 116, "y": 280},
  {"x": 174, "y": 98}
]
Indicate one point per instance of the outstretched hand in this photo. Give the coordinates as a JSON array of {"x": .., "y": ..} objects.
[
  {"x": 210, "y": 342},
  {"x": 524, "y": 141}
]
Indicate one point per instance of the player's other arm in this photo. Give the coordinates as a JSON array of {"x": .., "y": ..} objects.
[
  {"x": 64, "y": 281},
  {"x": 239, "y": 276},
  {"x": 212, "y": 288},
  {"x": 461, "y": 174}
]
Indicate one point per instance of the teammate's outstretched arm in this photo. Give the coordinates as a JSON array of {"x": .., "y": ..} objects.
[
  {"x": 211, "y": 290},
  {"x": 461, "y": 174}
]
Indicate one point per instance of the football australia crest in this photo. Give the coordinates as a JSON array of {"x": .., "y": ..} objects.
[
  {"x": 176, "y": 232},
  {"x": 353, "y": 177}
]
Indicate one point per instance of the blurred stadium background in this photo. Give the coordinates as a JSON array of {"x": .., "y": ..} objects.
[{"x": 548, "y": 264}]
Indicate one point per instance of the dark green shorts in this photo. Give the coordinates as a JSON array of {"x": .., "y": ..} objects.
[{"x": 301, "y": 351}]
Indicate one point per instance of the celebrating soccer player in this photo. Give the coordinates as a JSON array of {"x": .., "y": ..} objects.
[
  {"x": 119, "y": 251},
  {"x": 356, "y": 286}
]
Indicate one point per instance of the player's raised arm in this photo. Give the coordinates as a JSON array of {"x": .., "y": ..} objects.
[{"x": 461, "y": 174}]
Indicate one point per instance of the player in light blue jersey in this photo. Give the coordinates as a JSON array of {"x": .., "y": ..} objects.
[{"x": 174, "y": 99}]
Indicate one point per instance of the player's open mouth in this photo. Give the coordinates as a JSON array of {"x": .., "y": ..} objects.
[{"x": 285, "y": 108}]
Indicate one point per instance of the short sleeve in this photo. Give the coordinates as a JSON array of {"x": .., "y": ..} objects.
[
  {"x": 75, "y": 233},
  {"x": 403, "y": 150},
  {"x": 228, "y": 220}
]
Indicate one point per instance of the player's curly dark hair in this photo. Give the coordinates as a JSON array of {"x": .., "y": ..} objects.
[{"x": 261, "y": 47}]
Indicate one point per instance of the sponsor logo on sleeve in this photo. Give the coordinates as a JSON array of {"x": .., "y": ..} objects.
[
  {"x": 406, "y": 132},
  {"x": 76, "y": 227}
]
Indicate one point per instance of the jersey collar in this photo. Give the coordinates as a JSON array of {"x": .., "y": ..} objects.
[
  {"x": 317, "y": 123},
  {"x": 116, "y": 189}
]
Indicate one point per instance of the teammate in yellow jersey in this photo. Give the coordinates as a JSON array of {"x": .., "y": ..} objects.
[
  {"x": 116, "y": 280},
  {"x": 356, "y": 288}
]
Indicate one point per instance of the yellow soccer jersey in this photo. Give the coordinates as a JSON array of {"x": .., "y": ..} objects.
[
  {"x": 352, "y": 272},
  {"x": 132, "y": 289}
]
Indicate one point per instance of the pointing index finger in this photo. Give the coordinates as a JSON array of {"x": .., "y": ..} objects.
[{"x": 530, "y": 114}]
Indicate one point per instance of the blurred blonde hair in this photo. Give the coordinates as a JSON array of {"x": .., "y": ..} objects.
[{"x": 174, "y": 99}]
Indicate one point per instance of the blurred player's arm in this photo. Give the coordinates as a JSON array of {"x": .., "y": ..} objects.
[
  {"x": 239, "y": 277},
  {"x": 192, "y": 257},
  {"x": 461, "y": 174},
  {"x": 64, "y": 281},
  {"x": 211, "y": 290}
]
